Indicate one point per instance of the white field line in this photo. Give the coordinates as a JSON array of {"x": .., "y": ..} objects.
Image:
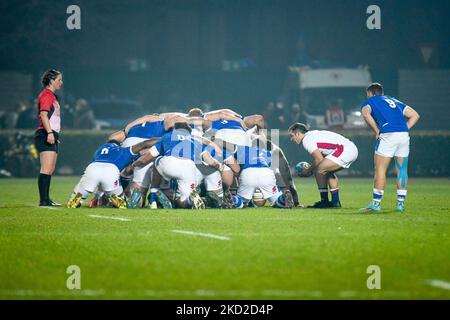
[
  {"x": 108, "y": 217},
  {"x": 439, "y": 284},
  {"x": 207, "y": 293},
  {"x": 49, "y": 208},
  {"x": 200, "y": 234}
]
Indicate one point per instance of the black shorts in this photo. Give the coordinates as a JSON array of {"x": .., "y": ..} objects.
[{"x": 41, "y": 144}]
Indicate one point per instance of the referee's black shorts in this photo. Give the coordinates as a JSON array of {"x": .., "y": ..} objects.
[{"x": 41, "y": 144}]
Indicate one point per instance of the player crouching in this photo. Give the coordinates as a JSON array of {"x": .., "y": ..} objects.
[
  {"x": 104, "y": 173},
  {"x": 176, "y": 156},
  {"x": 331, "y": 152},
  {"x": 254, "y": 166}
]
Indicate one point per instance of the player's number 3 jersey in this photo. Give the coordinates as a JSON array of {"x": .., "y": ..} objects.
[{"x": 388, "y": 113}]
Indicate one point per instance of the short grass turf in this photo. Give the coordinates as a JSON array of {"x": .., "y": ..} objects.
[{"x": 269, "y": 254}]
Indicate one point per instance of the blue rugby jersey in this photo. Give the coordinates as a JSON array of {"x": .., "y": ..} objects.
[
  {"x": 115, "y": 154},
  {"x": 388, "y": 113},
  {"x": 226, "y": 124},
  {"x": 147, "y": 130},
  {"x": 253, "y": 157}
]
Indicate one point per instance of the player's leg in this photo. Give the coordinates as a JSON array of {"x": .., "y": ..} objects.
[
  {"x": 109, "y": 183},
  {"x": 156, "y": 195},
  {"x": 266, "y": 182},
  {"x": 381, "y": 166},
  {"x": 228, "y": 179},
  {"x": 117, "y": 198},
  {"x": 333, "y": 183},
  {"x": 384, "y": 151},
  {"x": 214, "y": 191},
  {"x": 401, "y": 167},
  {"x": 335, "y": 162},
  {"x": 276, "y": 197},
  {"x": 189, "y": 198},
  {"x": 139, "y": 186},
  {"x": 248, "y": 182},
  {"x": 88, "y": 183},
  {"x": 244, "y": 194},
  {"x": 169, "y": 168},
  {"x": 284, "y": 176},
  {"x": 79, "y": 195},
  {"x": 321, "y": 174}
]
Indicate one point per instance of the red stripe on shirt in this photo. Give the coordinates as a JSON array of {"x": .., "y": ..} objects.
[{"x": 338, "y": 147}]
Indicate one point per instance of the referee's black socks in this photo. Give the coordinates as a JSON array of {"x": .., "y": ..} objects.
[{"x": 44, "y": 186}]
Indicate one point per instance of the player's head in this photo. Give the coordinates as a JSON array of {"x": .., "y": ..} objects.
[
  {"x": 114, "y": 141},
  {"x": 195, "y": 112},
  {"x": 182, "y": 126},
  {"x": 53, "y": 78},
  {"x": 297, "y": 132},
  {"x": 374, "y": 89}
]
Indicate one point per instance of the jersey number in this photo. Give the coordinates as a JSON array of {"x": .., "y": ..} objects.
[{"x": 391, "y": 103}]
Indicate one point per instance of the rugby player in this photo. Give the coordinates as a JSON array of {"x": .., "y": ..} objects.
[
  {"x": 386, "y": 115},
  {"x": 176, "y": 154},
  {"x": 253, "y": 164},
  {"x": 104, "y": 172},
  {"x": 331, "y": 152},
  {"x": 146, "y": 127}
]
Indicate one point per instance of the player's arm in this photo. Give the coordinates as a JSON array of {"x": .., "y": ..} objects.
[
  {"x": 228, "y": 116},
  {"x": 412, "y": 116},
  {"x": 234, "y": 166},
  {"x": 366, "y": 112},
  {"x": 222, "y": 115},
  {"x": 47, "y": 127},
  {"x": 166, "y": 115},
  {"x": 227, "y": 111},
  {"x": 146, "y": 158},
  {"x": 169, "y": 122},
  {"x": 144, "y": 145},
  {"x": 141, "y": 162},
  {"x": 198, "y": 121},
  {"x": 254, "y": 120},
  {"x": 141, "y": 120},
  {"x": 317, "y": 159},
  {"x": 208, "y": 142},
  {"x": 210, "y": 161}
]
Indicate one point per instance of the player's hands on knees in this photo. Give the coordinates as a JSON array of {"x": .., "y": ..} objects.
[{"x": 51, "y": 138}]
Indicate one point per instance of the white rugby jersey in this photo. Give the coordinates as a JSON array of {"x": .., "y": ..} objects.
[{"x": 326, "y": 141}]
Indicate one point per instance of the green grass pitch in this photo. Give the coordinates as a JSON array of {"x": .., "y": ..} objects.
[{"x": 257, "y": 254}]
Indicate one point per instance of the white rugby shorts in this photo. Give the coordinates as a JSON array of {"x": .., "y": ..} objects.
[
  {"x": 258, "y": 178},
  {"x": 393, "y": 144},
  {"x": 141, "y": 175},
  {"x": 181, "y": 169},
  {"x": 346, "y": 156},
  {"x": 100, "y": 176}
]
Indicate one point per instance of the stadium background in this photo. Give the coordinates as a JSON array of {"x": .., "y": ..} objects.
[{"x": 152, "y": 56}]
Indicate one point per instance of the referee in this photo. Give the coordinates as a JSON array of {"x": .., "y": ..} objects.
[{"x": 46, "y": 137}]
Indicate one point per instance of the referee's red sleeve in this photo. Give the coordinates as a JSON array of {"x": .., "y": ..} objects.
[{"x": 45, "y": 103}]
